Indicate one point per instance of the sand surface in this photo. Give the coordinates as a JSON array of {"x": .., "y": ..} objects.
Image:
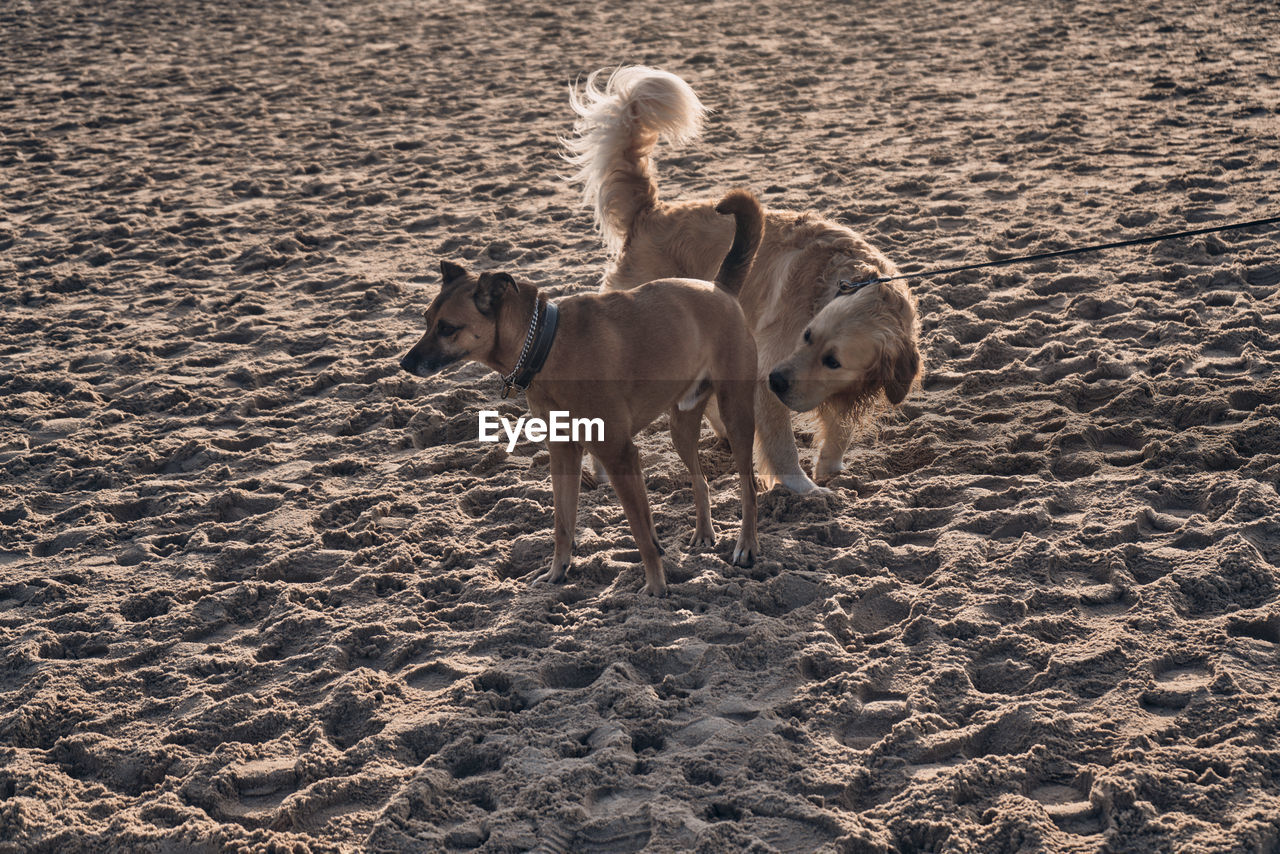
[{"x": 259, "y": 588}]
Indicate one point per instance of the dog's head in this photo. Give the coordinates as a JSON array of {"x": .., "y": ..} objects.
[
  {"x": 462, "y": 321},
  {"x": 854, "y": 348}
]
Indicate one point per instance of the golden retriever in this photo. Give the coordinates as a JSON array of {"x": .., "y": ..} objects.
[{"x": 836, "y": 354}]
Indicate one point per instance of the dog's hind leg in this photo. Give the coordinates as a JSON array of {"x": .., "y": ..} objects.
[
  {"x": 566, "y": 477},
  {"x": 738, "y": 410},
  {"x": 713, "y": 416},
  {"x": 597, "y": 476},
  {"x": 623, "y": 465},
  {"x": 685, "y": 426}
]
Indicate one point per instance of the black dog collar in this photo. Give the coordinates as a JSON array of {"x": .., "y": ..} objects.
[{"x": 536, "y": 347}]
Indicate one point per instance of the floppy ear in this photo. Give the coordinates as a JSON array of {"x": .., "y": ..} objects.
[
  {"x": 898, "y": 369},
  {"x": 489, "y": 291},
  {"x": 451, "y": 272}
]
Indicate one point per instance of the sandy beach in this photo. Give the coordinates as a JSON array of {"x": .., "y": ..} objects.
[{"x": 260, "y": 590}]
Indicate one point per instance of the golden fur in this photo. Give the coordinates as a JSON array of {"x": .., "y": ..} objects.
[{"x": 791, "y": 287}]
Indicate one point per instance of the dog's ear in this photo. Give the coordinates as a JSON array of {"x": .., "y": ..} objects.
[
  {"x": 899, "y": 366},
  {"x": 490, "y": 290},
  {"x": 451, "y": 272}
]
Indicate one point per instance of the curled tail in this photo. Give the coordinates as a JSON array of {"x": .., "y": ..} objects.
[
  {"x": 748, "y": 218},
  {"x": 616, "y": 129}
]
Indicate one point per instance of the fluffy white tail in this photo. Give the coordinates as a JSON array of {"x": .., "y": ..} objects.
[{"x": 616, "y": 129}]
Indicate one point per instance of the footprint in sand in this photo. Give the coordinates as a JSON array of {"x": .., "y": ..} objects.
[
  {"x": 930, "y": 771},
  {"x": 921, "y": 525},
  {"x": 617, "y": 822},
  {"x": 1265, "y": 629},
  {"x": 1095, "y": 590},
  {"x": 881, "y": 710},
  {"x": 1069, "y": 808},
  {"x": 878, "y": 609},
  {"x": 261, "y": 786},
  {"x": 571, "y": 674},
  {"x": 1175, "y": 687},
  {"x": 433, "y": 677},
  {"x": 1004, "y": 676}
]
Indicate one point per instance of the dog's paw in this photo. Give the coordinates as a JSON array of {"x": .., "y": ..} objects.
[
  {"x": 826, "y": 469},
  {"x": 554, "y": 575},
  {"x": 703, "y": 540},
  {"x": 802, "y": 485},
  {"x": 744, "y": 554},
  {"x": 654, "y": 589}
]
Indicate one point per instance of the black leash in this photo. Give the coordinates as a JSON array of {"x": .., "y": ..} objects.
[{"x": 847, "y": 287}]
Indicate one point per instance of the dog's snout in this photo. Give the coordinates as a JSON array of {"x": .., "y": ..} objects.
[
  {"x": 409, "y": 363},
  {"x": 779, "y": 383}
]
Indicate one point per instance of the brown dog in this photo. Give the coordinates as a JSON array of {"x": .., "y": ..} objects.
[
  {"x": 623, "y": 358},
  {"x": 838, "y": 355}
]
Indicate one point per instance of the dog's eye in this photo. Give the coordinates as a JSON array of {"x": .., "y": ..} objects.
[
  {"x": 831, "y": 361},
  {"x": 807, "y": 336},
  {"x": 445, "y": 329}
]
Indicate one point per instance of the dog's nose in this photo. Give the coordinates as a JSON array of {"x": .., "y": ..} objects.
[
  {"x": 779, "y": 383},
  {"x": 408, "y": 363}
]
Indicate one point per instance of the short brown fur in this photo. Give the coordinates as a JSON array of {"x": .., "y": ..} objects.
[{"x": 623, "y": 357}]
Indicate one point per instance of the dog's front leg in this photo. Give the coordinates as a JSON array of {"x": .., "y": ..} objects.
[
  {"x": 623, "y": 466},
  {"x": 837, "y": 435},
  {"x": 779, "y": 461},
  {"x": 566, "y": 477}
]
